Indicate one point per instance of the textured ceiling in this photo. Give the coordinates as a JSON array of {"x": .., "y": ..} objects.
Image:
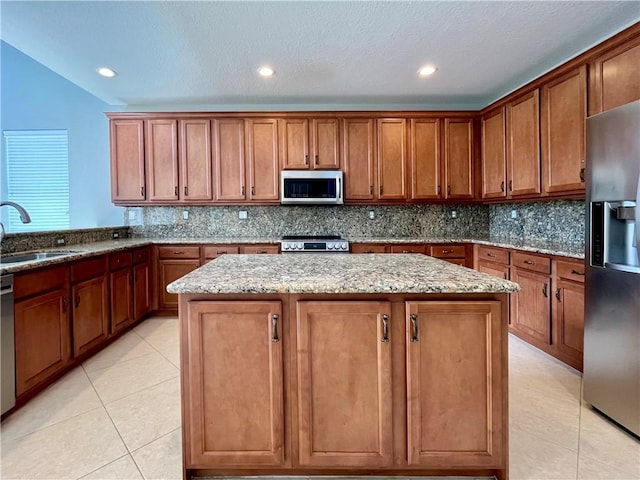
[{"x": 363, "y": 54}]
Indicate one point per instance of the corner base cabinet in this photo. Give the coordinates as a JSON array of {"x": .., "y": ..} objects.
[{"x": 344, "y": 384}]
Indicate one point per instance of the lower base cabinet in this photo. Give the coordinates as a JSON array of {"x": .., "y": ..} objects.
[
  {"x": 324, "y": 387},
  {"x": 90, "y": 314},
  {"x": 531, "y": 307}
]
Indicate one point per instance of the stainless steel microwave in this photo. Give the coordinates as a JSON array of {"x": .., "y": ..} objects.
[{"x": 311, "y": 187}]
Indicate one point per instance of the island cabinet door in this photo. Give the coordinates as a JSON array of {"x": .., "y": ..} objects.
[
  {"x": 344, "y": 383},
  {"x": 454, "y": 383},
  {"x": 234, "y": 403}
]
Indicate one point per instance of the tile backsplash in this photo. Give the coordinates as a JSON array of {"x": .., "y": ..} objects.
[{"x": 20, "y": 242}]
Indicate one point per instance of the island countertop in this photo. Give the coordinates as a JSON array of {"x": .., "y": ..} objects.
[{"x": 337, "y": 274}]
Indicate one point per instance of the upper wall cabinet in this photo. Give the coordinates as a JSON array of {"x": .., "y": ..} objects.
[
  {"x": 563, "y": 122},
  {"x": 614, "y": 77},
  {"x": 424, "y": 159},
  {"x": 359, "y": 159},
  {"x": 162, "y": 160},
  {"x": 392, "y": 158},
  {"x": 309, "y": 143},
  {"x": 229, "y": 159},
  {"x": 494, "y": 160},
  {"x": 195, "y": 161},
  {"x": 127, "y": 160},
  {"x": 523, "y": 145},
  {"x": 458, "y": 158},
  {"x": 263, "y": 165}
]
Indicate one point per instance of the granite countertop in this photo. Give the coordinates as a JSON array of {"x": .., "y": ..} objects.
[{"x": 336, "y": 273}]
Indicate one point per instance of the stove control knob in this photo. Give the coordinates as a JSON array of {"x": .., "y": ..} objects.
[
  {"x": 299, "y": 246},
  {"x": 286, "y": 246},
  {"x": 343, "y": 246}
]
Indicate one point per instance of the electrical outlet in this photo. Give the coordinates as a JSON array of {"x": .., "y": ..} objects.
[
  {"x": 115, "y": 235},
  {"x": 60, "y": 241},
  {"x": 454, "y": 214},
  {"x": 242, "y": 214},
  {"x": 185, "y": 215},
  {"x": 514, "y": 214},
  {"x": 132, "y": 215},
  {"x": 372, "y": 215}
]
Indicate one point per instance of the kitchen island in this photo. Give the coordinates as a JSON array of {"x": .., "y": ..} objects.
[{"x": 339, "y": 364}]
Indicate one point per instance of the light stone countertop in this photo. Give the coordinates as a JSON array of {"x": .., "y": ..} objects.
[{"x": 336, "y": 273}]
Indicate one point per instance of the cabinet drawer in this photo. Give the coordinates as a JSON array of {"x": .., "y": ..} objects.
[
  {"x": 496, "y": 255},
  {"x": 570, "y": 270},
  {"x": 140, "y": 255},
  {"x": 213, "y": 251},
  {"x": 531, "y": 262},
  {"x": 447, "y": 251},
  {"x": 34, "y": 283},
  {"x": 368, "y": 248},
  {"x": 120, "y": 260},
  {"x": 259, "y": 249},
  {"x": 90, "y": 268},
  {"x": 179, "y": 251},
  {"x": 407, "y": 249}
]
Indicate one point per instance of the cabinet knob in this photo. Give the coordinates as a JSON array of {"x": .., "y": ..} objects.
[
  {"x": 414, "y": 327},
  {"x": 385, "y": 328}
]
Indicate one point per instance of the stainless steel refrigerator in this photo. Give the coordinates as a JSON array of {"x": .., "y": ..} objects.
[{"x": 611, "y": 381}]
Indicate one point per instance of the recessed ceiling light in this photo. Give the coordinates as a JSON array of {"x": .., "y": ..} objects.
[
  {"x": 266, "y": 71},
  {"x": 106, "y": 72},
  {"x": 427, "y": 70}
]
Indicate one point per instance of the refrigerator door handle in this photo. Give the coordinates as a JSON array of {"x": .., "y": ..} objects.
[{"x": 622, "y": 268}]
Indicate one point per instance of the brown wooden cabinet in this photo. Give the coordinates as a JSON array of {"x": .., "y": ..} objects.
[
  {"x": 263, "y": 164},
  {"x": 261, "y": 249},
  {"x": 368, "y": 248},
  {"x": 614, "y": 77},
  {"x": 494, "y": 160},
  {"x": 90, "y": 297},
  {"x": 568, "y": 311},
  {"x": 195, "y": 178},
  {"x": 142, "y": 285},
  {"x": 391, "y": 158},
  {"x": 127, "y": 160},
  {"x": 424, "y": 159},
  {"x": 344, "y": 383},
  {"x": 309, "y": 143},
  {"x": 209, "y": 252},
  {"x": 360, "y": 180},
  {"x": 161, "y": 160},
  {"x": 458, "y": 158},
  {"x": 408, "y": 248},
  {"x": 523, "y": 145},
  {"x": 458, "y": 254},
  {"x": 229, "y": 159},
  {"x": 174, "y": 261},
  {"x": 447, "y": 353},
  {"x": 120, "y": 286},
  {"x": 234, "y": 367},
  {"x": 42, "y": 326},
  {"x": 563, "y": 124}
]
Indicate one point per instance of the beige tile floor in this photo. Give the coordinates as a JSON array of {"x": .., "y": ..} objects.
[{"x": 117, "y": 416}]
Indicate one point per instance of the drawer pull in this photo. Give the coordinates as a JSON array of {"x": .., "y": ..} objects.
[
  {"x": 529, "y": 262},
  {"x": 220, "y": 252},
  {"x": 491, "y": 255},
  {"x": 414, "y": 327},
  {"x": 274, "y": 325},
  {"x": 576, "y": 272},
  {"x": 558, "y": 294},
  {"x": 261, "y": 251},
  {"x": 545, "y": 290},
  {"x": 444, "y": 252},
  {"x": 385, "y": 328},
  {"x": 175, "y": 253},
  {"x": 369, "y": 251}
]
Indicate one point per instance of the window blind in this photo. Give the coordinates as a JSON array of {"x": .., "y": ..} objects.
[{"x": 37, "y": 170}]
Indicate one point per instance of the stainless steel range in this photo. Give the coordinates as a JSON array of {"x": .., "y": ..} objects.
[{"x": 314, "y": 243}]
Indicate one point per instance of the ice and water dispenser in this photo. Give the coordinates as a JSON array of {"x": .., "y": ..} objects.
[{"x": 614, "y": 239}]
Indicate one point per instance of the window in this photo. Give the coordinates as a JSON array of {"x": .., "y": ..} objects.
[{"x": 37, "y": 177}]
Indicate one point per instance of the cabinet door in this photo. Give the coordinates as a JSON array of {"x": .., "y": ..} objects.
[
  {"x": 368, "y": 248},
  {"x": 458, "y": 157},
  {"x": 424, "y": 154},
  {"x": 170, "y": 270},
  {"x": 568, "y": 318},
  {"x": 90, "y": 314},
  {"x": 454, "y": 347},
  {"x": 494, "y": 162},
  {"x": 162, "y": 160},
  {"x": 229, "y": 159},
  {"x": 42, "y": 338},
  {"x": 195, "y": 160},
  {"x": 531, "y": 306},
  {"x": 563, "y": 123},
  {"x": 234, "y": 368},
  {"x": 614, "y": 78},
  {"x": 523, "y": 145},
  {"x": 141, "y": 290},
  {"x": 127, "y": 160},
  {"x": 344, "y": 384},
  {"x": 392, "y": 158},
  {"x": 358, "y": 157},
  {"x": 325, "y": 143},
  {"x": 294, "y": 133},
  {"x": 121, "y": 299},
  {"x": 262, "y": 154}
]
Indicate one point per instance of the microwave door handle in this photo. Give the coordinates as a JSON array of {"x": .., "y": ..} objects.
[{"x": 340, "y": 196}]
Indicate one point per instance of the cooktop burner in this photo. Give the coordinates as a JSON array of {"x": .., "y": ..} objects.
[{"x": 311, "y": 237}]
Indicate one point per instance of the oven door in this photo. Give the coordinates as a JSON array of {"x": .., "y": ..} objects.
[{"x": 311, "y": 188}]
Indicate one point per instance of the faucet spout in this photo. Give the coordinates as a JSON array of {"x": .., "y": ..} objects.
[{"x": 24, "y": 215}]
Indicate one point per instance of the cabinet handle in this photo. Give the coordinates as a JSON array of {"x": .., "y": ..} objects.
[
  {"x": 175, "y": 190},
  {"x": 381, "y": 190},
  {"x": 142, "y": 191},
  {"x": 582, "y": 174},
  {"x": 448, "y": 189},
  {"x": 220, "y": 252},
  {"x": 77, "y": 300},
  {"x": 511, "y": 185},
  {"x": 316, "y": 160},
  {"x": 261, "y": 251},
  {"x": 369, "y": 251},
  {"x": 414, "y": 327},
  {"x": 243, "y": 190},
  {"x": 253, "y": 190},
  {"x": 306, "y": 159},
  {"x": 439, "y": 189},
  {"x": 491, "y": 255},
  {"x": 576, "y": 272},
  {"x": 545, "y": 291},
  {"x": 65, "y": 304},
  {"x": 558, "y": 294},
  {"x": 185, "y": 190},
  {"x": 274, "y": 328},
  {"x": 502, "y": 186},
  {"x": 385, "y": 328},
  {"x": 529, "y": 262},
  {"x": 406, "y": 251},
  {"x": 447, "y": 251},
  {"x": 175, "y": 253}
]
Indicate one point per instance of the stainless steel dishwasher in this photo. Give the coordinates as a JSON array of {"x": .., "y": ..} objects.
[{"x": 7, "y": 345}]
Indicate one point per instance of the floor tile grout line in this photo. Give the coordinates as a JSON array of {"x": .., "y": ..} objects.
[
  {"x": 155, "y": 440},
  {"x": 128, "y": 454},
  {"x": 141, "y": 390},
  {"x": 154, "y": 347}
]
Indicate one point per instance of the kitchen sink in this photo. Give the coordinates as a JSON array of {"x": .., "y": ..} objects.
[{"x": 28, "y": 257}]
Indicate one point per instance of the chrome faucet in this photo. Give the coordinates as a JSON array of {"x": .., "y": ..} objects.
[{"x": 24, "y": 215}]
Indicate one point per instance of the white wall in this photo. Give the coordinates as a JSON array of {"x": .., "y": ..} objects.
[{"x": 34, "y": 98}]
